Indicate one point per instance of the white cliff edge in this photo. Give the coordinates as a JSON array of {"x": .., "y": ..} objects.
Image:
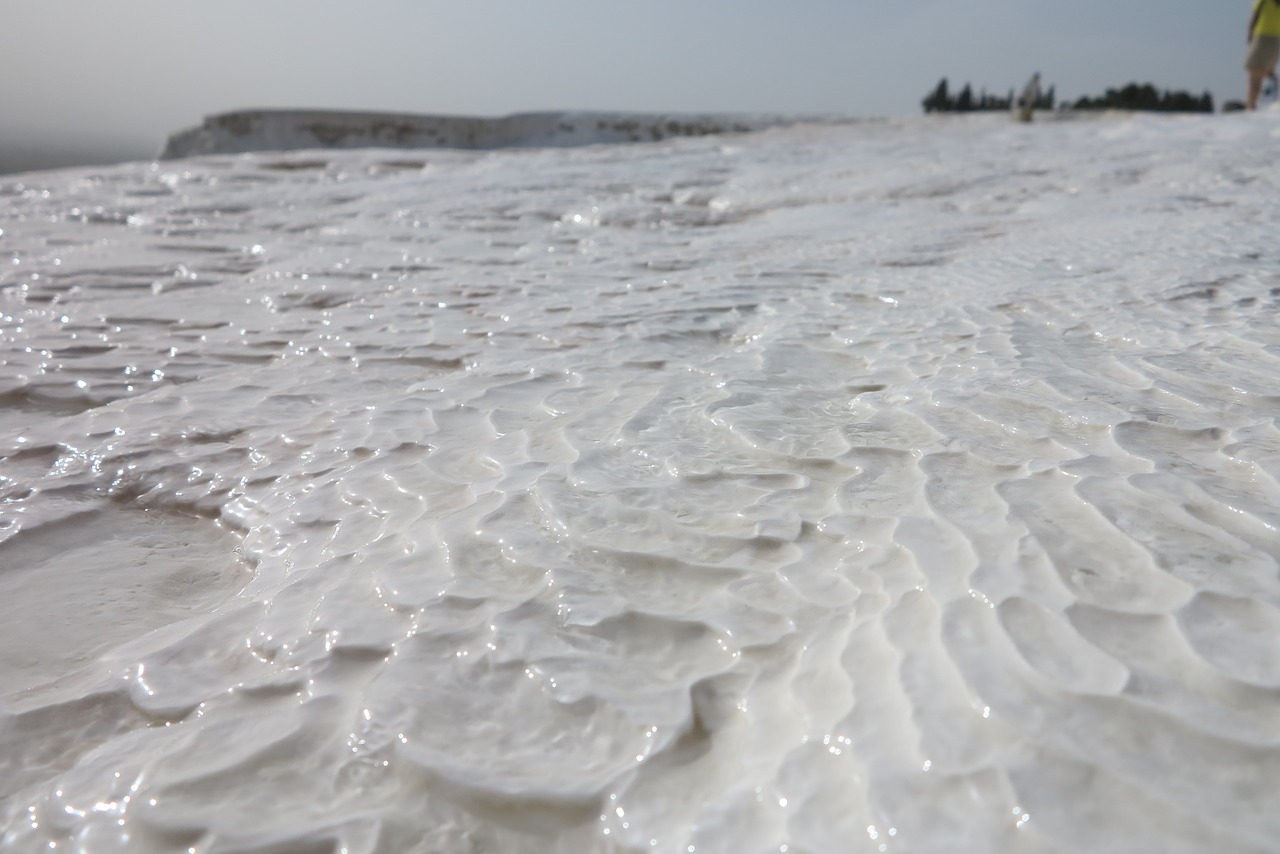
[{"x": 284, "y": 130}]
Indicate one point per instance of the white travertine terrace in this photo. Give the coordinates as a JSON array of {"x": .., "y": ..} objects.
[
  {"x": 286, "y": 130},
  {"x": 902, "y": 486}
]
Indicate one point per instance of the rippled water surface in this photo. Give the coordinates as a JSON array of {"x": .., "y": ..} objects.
[{"x": 905, "y": 486}]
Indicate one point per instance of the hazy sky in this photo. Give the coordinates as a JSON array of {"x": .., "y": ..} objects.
[{"x": 119, "y": 75}]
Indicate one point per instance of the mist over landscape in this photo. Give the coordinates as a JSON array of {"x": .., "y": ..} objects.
[{"x": 92, "y": 82}]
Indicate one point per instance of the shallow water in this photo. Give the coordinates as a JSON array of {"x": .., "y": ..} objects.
[{"x": 905, "y": 486}]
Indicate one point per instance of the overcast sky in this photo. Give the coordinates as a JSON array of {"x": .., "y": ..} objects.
[{"x": 116, "y": 76}]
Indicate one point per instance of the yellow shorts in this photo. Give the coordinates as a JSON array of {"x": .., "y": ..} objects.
[{"x": 1263, "y": 53}]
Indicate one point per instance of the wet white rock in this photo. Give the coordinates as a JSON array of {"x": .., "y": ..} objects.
[{"x": 899, "y": 486}]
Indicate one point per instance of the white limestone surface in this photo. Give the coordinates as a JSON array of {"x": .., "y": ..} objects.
[
  {"x": 287, "y": 130},
  {"x": 900, "y": 486}
]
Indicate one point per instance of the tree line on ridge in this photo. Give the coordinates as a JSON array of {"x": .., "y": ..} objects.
[{"x": 1134, "y": 96}]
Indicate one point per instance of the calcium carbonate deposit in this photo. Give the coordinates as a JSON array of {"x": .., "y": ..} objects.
[{"x": 901, "y": 486}]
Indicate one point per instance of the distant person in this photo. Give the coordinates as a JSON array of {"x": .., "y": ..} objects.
[
  {"x": 1031, "y": 97},
  {"x": 1264, "y": 47}
]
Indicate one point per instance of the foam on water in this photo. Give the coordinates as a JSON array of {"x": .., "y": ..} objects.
[{"x": 909, "y": 486}]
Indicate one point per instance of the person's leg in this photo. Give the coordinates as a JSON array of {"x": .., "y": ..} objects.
[
  {"x": 1256, "y": 76},
  {"x": 1260, "y": 62}
]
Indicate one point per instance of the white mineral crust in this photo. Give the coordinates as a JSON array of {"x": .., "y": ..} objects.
[{"x": 899, "y": 486}]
